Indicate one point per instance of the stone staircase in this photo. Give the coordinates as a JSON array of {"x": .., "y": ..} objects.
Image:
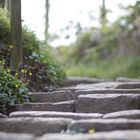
[{"x": 101, "y": 110}]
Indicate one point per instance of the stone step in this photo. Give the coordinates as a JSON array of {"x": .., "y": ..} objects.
[
  {"x": 70, "y": 81},
  {"x": 129, "y": 114},
  {"x": 128, "y": 85},
  {"x": 113, "y": 135},
  {"x": 53, "y": 97},
  {"x": 52, "y": 114},
  {"x": 2, "y": 115},
  {"x": 107, "y": 103},
  {"x": 84, "y": 126},
  {"x": 105, "y": 91},
  {"x": 36, "y": 126},
  {"x": 15, "y": 136},
  {"x": 66, "y": 106}
]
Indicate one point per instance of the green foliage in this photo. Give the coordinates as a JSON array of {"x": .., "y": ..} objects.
[
  {"x": 4, "y": 27},
  {"x": 12, "y": 90},
  {"x": 37, "y": 72}
]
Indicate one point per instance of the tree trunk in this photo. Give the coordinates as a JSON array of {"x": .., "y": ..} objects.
[
  {"x": 47, "y": 6},
  {"x": 16, "y": 34},
  {"x": 6, "y": 5}
]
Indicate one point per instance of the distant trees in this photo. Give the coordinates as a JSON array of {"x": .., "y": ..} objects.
[
  {"x": 47, "y": 7},
  {"x": 2, "y": 3},
  {"x": 103, "y": 14}
]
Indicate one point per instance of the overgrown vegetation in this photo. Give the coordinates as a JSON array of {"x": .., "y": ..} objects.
[
  {"x": 39, "y": 69},
  {"x": 110, "y": 51},
  {"x": 12, "y": 90}
]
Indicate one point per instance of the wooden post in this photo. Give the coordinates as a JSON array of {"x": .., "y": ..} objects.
[{"x": 16, "y": 34}]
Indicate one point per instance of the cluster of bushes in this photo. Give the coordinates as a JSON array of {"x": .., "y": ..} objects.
[
  {"x": 12, "y": 90},
  {"x": 39, "y": 72}
]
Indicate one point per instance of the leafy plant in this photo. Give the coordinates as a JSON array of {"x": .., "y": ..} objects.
[{"x": 12, "y": 90}]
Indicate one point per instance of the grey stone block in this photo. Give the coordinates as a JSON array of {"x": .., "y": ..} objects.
[
  {"x": 14, "y": 136},
  {"x": 46, "y": 114},
  {"x": 53, "y": 97},
  {"x": 113, "y": 135},
  {"x": 83, "y": 126},
  {"x": 36, "y": 126},
  {"x": 105, "y": 91},
  {"x": 106, "y": 103},
  {"x": 129, "y": 114},
  {"x": 128, "y": 85},
  {"x": 70, "y": 81},
  {"x": 2, "y": 115},
  {"x": 67, "y": 106}
]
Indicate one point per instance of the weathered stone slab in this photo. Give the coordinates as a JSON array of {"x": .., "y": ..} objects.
[
  {"x": 129, "y": 85},
  {"x": 102, "y": 85},
  {"x": 105, "y": 91},
  {"x": 2, "y": 115},
  {"x": 129, "y": 114},
  {"x": 53, "y": 97},
  {"x": 14, "y": 136},
  {"x": 113, "y": 135},
  {"x": 67, "y": 106},
  {"x": 36, "y": 126},
  {"x": 103, "y": 125},
  {"x": 106, "y": 103},
  {"x": 126, "y": 79},
  {"x": 70, "y": 81},
  {"x": 51, "y": 114}
]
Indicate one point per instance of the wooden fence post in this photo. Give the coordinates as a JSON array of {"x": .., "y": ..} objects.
[{"x": 16, "y": 34}]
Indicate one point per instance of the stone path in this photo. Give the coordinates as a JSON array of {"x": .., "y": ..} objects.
[{"x": 92, "y": 110}]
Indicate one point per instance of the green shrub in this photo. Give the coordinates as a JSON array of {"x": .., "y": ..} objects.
[
  {"x": 12, "y": 90},
  {"x": 38, "y": 73}
]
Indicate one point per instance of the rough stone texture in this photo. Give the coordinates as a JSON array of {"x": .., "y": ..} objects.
[
  {"x": 36, "y": 126},
  {"x": 125, "y": 79},
  {"x": 130, "y": 114},
  {"x": 2, "y": 115},
  {"x": 70, "y": 81},
  {"x": 104, "y": 125},
  {"x": 105, "y": 91},
  {"x": 129, "y": 85},
  {"x": 113, "y": 135},
  {"x": 53, "y": 97},
  {"x": 103, "y": 85},
  {"x": 67, "y": 106},
  {"x": 14, "y": 136},
  {"x": 75, "y": 116},
  {"x": 106, "y": 103}
]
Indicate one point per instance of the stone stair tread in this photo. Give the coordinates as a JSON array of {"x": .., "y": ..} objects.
[
  {"x": 83, "y": 126},
  {"x": 128, "y": 85},
  {"x": 37, "y": 126},
  {"x": 65, "y": 106},
  {"x": 2, "y": 115},
  {"x": 15, "y": 136},
  {"x": 55, "y": 96},
  {"x": 130, "y": 114},
  {"x": 113, "y": 135},
  {"x": 54, "y": 114},
  {"x": 69, "y": 81},
  {"x": 107, "y": 103},
  {"x": 105, "y": 91}
]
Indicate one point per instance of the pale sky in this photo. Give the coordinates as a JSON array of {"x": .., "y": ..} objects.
[{"x": 62, "y": 11}]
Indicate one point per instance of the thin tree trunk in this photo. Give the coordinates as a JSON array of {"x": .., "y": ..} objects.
[
  {"x": 47, "y": 6},
  {"x": 16, "y": 34},
  {"x": 6, "y": 5}
]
